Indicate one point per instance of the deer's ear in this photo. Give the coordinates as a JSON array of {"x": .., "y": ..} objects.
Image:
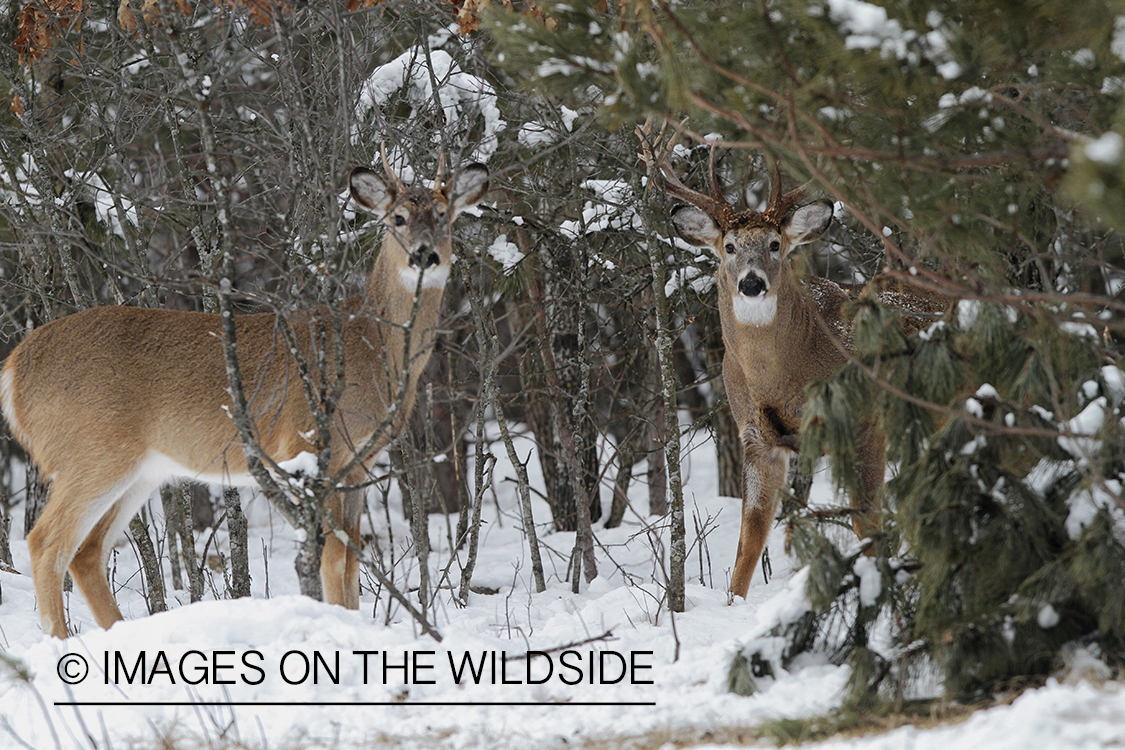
[
  {"x": 695, "y": 226},
  {"x": 370, "y": 191},
  {"x": 469, "y": 187},
  {"x": 807, "y": 223}
]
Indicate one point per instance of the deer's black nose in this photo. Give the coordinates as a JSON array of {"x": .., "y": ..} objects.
[
  {"x": 751, "y": 285},
  {"x": 423, "y": 258}
]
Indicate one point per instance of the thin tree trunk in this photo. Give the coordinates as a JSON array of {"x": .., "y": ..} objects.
[
  {"x": 310, "y": 537},
  {"x": 657, "y": 464},
  {"x": 524, "y": 489},
  {"x": 7, "y": 479},
  {"x": 626, "y": 457},
  {"x": 202, "y": 507},
  {"x": 420, "y": 530},
  {"x": 154, "y": 577},
  {"x": 728, "y": 447},
  {"x": 171, "y": 526},
  {"x": 585, "y": 445},
  {"x": 419, "y": 520},
  {"x": 655, "y": 436},
  {"x": 5, "y": 537},
  {"x": 400, "y": 469},
  {"x": 239, "y": 547},
  {"x": 463, "y": 518},
  {"x": 187, "y": 545},
  {"x": 461, "y": 463},
  {"x": 480, "y": 472},
  {"x": 671, "y": 426},
  {"x": 584, "y": 547}
]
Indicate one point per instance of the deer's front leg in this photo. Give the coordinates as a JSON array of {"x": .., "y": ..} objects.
[
  {"x": 871, "y": 461},
  {"x": 339, "y": 568},
  {"x": 765, "y": 466}
]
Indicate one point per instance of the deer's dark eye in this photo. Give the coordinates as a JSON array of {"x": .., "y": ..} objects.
[
  {"x": 729, "y": 248},
  {"x": 399, "y": 221},
  {"x": 775, "y": 246}
]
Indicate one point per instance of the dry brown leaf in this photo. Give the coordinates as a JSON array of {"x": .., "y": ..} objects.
[
  {"x": 32, "y": 40},
  {"x": 468, "y": 12},
  {"x": 261, "y": 12},
  {"x": 354, "y": 5},
  {"x": 151, "y": 11},
  {"x": 40, "y": 21},
  {"x": 468, "y": 17},
  {"x": 125, "y": 17},
  {"x": 17, "y": 105}
]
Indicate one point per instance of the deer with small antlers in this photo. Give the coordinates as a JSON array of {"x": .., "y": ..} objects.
[
  {"x": 113, "y": 401},
  {"x": 781, "y": 333}
]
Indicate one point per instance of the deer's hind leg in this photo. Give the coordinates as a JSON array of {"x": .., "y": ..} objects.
[
  {"x": 89, "y": 564},
  {"x": 76, "y": 507}
]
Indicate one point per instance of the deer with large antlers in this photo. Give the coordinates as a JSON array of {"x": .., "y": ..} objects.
[
  {"x": 781, "y": 332},
  {"x": 113, "y": 401}
]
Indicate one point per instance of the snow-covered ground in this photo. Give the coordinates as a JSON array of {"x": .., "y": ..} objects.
[{"x": 282, "y": 671}]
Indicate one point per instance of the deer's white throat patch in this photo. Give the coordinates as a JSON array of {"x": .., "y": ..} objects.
[
  {"x": 754, "y": 311},
  {"x": 432, "y": 278}
]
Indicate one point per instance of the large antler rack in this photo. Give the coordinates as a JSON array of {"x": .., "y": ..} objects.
[
  {"x": 714, "y": 205},
  {"x": 660, "y": 171}
]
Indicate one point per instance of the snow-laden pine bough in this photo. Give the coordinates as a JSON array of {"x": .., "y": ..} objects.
[
  {"x": 781, "y": 332},
  {"x": 113, "y": 401}
]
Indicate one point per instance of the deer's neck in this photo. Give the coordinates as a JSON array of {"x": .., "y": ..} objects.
[
  {"x": 392, "y": 295},
  {"x": 391, "y": 332}
]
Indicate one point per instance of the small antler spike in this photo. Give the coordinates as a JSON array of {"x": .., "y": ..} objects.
[
  {"x": 439, "y": 177},
  {"x": 775, "y": 187},
  {"x": 387, "y": 166},
  {"x": 780, "y": 203},
  {"x": 713, "y": 178}
]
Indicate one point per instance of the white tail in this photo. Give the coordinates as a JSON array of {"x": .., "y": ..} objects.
[
  {"x": 780, "y": 333},
  {"x": 114, "y": 401}
]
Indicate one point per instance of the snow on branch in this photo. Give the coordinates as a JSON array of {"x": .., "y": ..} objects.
[
  {"x": 463, "y": 97},
  {"x": 22, "y": 194}
]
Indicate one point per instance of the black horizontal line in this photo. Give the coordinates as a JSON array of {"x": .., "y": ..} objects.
[{"x": 225, "y": 704}]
